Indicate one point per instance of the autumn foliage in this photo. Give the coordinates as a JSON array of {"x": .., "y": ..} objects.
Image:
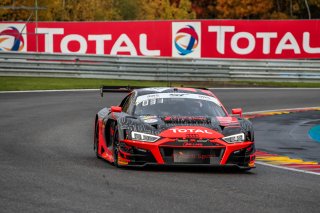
[{"x": 103, "y": 10}]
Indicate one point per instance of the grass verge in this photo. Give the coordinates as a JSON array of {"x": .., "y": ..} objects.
[{"x": 36, "y": 83}]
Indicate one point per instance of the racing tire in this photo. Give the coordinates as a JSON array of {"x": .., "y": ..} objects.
[
  {"x": 96, "y": 140},
  {"x": 115, "y": 146}
]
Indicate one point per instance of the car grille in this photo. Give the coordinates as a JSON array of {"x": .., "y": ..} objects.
[
  {"x": 192, "y": 142},
  {"x": 191, "y": 156}
]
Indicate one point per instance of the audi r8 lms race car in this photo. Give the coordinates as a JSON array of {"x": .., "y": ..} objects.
[{"x": 173, "y": 126}]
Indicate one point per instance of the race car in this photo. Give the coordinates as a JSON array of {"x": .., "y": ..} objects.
[{"x": 173, "y": 126}]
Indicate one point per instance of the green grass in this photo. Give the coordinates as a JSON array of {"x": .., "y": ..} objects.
[
  {"x": 271, "y": 84},
  {"x": 35, "y": 83}
]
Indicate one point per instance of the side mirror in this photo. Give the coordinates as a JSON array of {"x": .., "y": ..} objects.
[
  {"x": 237, "y": 111},
  {"x": 116, "y": 109}
]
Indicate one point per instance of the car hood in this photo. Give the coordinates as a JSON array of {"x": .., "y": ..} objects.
[{"x": 183, "y": 126}]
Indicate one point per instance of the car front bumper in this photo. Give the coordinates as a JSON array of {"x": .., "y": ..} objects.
[{"x": 170, "y": 152}]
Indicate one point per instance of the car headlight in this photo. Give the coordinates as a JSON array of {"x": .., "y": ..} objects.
[
  {"x": 237, "y": 138},
  {"x": 139, "y": 136}
]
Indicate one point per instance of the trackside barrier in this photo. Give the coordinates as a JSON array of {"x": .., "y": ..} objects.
[{"x": 152, "y": 68}]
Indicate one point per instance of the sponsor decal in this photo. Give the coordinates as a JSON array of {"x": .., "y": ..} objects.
[
  {"x": 160, "y": 89},
  {"x": 76, "y": 43},
  {"x": 286, "y": 42},
  {"x": 186, "y": 39},
  {"x": 145, "y": 98},
  {"x": 182, "y": 155},
  {"x": 268, "y": 39},
  {"x": 261, "y": 39},
  {"x": 192, "y": 136},
  {"x": 204, "y": 131},
  {"x": 149, "y": 119},
  {"x": 192, "y": 144},
  {"x": 12, "y": 38},
  {"x": 110, "y": 38}
]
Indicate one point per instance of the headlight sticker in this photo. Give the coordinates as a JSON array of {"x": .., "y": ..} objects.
[
  {"x": 237, "y": 138},
  {"x": 139, "y": 136}
]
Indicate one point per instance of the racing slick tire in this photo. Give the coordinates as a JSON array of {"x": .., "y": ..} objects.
[
  {"x": 115, "y": 146},
  {"x": 96, "y": 140}
]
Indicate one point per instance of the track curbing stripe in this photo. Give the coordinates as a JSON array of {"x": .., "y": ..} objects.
[{"x": 279, "y": 161}]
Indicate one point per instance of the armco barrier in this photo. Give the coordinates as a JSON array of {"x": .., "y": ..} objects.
[{"x": 152, "y": 68}]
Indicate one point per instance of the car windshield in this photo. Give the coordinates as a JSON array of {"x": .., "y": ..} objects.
[{"x": 178, "y": 104}]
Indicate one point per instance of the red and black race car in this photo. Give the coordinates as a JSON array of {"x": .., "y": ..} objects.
[{"x": 173, "y": 126}]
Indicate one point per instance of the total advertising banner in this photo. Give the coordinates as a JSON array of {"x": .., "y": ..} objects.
[{"x": 285, "y": 39}]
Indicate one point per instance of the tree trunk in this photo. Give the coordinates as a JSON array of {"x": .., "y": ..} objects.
[{"x": 308, "y": 9}]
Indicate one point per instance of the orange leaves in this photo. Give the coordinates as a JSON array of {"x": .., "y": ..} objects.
[
  {"x": 243, "y": 9},
  {"x": 105, "y": 10},
  {"x": 165, "y": 9}
]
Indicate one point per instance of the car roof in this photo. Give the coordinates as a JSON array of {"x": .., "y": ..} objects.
[{"x": 152, "y": 90}]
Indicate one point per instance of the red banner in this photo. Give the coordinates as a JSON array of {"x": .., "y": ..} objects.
[
  {"x": 287, "y": 39},
  {"x": 261, "y": 39}
]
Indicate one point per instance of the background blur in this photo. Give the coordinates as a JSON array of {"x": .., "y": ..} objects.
[{"x": 102, "y": 10}]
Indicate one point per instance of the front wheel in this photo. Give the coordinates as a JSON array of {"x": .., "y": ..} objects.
[
  {"x": 115, "y": 146},
  {"x": 96, "y": 140}
]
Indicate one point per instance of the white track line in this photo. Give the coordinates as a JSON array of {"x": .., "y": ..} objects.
[{"x": 287, "y": 168}]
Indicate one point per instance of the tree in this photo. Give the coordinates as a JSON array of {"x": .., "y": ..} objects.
[
  {"x": 204, "y": 9},
  {"x": 17, "y": 14},
  {"x": 104, "y": 10},
  {"x": 243, "y": 9},
  {"x": 128, "y": 9},
  {"x": 315, "y": 8},
  {"x": 53, "y": 10},
  {"x": 183, "y": 10},
  {"x": 164, "y": 9},
  {"x": 296, "y": 9},
  {"x": 61, "y": 10},
  {"x": 80, "y": 10}
]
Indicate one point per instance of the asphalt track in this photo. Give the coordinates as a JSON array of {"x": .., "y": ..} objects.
[
  {"x": 47, "y": 163},
  {"x": 288, "y": 134}
]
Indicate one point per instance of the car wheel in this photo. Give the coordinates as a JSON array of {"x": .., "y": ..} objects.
[
  {"x": 115, "y": 146},
  {"x": 96, "y": 140}
]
